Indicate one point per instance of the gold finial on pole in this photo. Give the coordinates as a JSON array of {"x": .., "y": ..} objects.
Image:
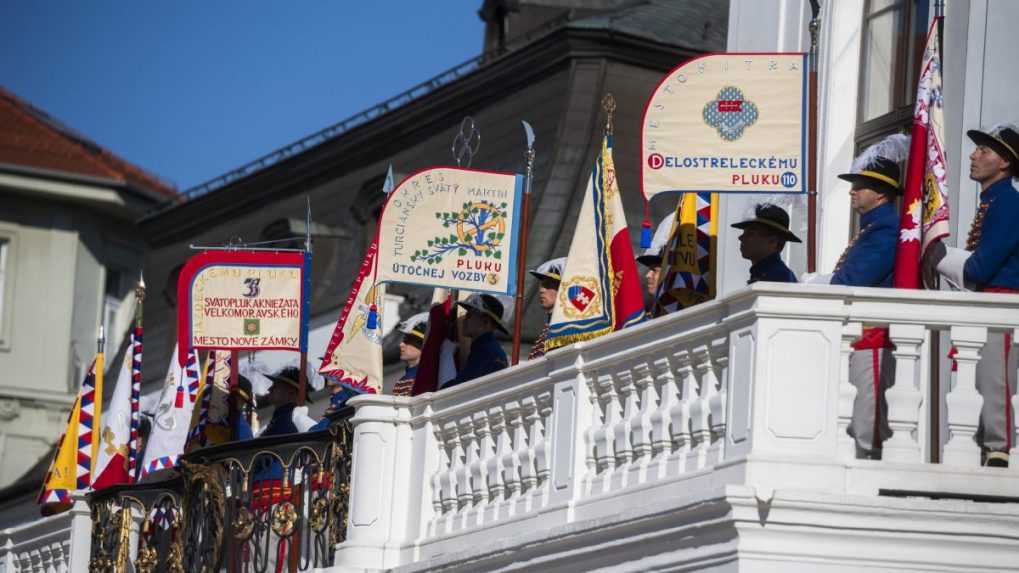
[
  {"x": 608, "y": 103},
  {"x": 139, "y": 297}
]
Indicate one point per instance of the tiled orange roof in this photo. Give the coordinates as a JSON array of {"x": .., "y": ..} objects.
[{"x": 29, "y": 137}]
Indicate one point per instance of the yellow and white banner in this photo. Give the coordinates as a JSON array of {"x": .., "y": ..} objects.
[
  {"x": 728, "y": 123},
  {"x": 453, "y": 228}
]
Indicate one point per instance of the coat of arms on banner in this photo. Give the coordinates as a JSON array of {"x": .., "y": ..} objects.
[
  {"x": 730, "y": 113},
  {"x": 579, "y": 297}
]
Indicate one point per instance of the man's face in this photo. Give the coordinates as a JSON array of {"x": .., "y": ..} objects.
[
  {"x": 756, "y": 242},
  {"x": 475, "y": 324},
  {"x": 409, "y": 353},
  {"x": 547, "y": 291},
  {"x": 863, "y": 199},
  {"x": 651, "y": 277},
  {"x": 986, "y": 165}
]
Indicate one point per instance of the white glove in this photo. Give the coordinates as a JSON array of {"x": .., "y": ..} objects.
[
  {"x": 302, "y": 421},
  {"x": 951, "y": 268},
  {"x": 816, "y": 278}
]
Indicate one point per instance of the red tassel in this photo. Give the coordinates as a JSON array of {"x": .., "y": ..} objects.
[{"x": 179, "y": 402}]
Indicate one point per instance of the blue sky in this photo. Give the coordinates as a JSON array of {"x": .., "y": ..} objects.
[{"x": 190, "y": 89}]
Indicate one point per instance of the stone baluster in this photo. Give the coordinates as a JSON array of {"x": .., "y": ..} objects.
[
  {"x": 440, "y": 482},
  {"x": 847, "y": 392},
  {"x": 485, "y": 452},
  {"x": 661, "y": 439},
  {"x": 465, "y": 493},
  {"x": 700, "y": 412},
  {"x": 641, "y": 424},
  {"x": 493, "y": 466},
  {"x": 621, "y": 431},
  {"x": 717, "y": 402},
  {"x": 511, "y": 460},
  {"x": 904, "y": 397},
  {"x": 456, "y": 462},
  {"x": 539, "y": 438},
  {"x": 679, "y": 414},
  {"x": 964, "y": 402},
  {"x": 611, "y": 415},
  {"x": 597, "y": 422},
  {"x": 525, "y": 444}
]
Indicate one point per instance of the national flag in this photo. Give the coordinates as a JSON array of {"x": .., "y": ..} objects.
[
  {"x": 173, "y": 415},
  {"x": 353, "y": 357},
  {"x": 71, "y": 468},
  {"x": 600, "y": 289},
  {"x": 925, "y": 213},
  {"x": 688, "y": 258},
  {"x": 112, "y": 465}
]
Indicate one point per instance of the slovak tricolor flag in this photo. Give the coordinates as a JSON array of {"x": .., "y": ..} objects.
[{"x": 600, "y": 289}]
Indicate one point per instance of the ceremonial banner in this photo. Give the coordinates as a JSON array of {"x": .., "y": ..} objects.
[
  {"x": 600, "y": 289},
  {"x": 210, "y": 422},
  {"x": 925, "y": 214},
  {"x": 173, "y": 415},
  {"x": 71, "y": 468},
  {"x": 353, "y": 357},
  {"x": 454, "y": 228},
  {"x": 112, "y": 465},
  {"x": 728, "y": 123},
  {"x": 688, "y": 267},
  {"x": 244, "y": 300}
]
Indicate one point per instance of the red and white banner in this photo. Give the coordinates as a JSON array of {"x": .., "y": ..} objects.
[
  {"x": 354, "y": 354},
  {"x": 244, "y": 300},
  {"x": 925, "y": 214},
  {"x": 115, "y": 435}
]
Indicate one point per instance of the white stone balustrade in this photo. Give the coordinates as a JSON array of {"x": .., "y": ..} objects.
[
  {"x": 56, "y": 544},
  {"x": 747, "y": 391}
]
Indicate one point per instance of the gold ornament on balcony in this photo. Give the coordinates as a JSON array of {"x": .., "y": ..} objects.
[
  {"x": 243, "y": 525},
  {"x": 146, "y": 561},
  {"x": 284, "y": 516},
  {"x": 319, "y": 514}
]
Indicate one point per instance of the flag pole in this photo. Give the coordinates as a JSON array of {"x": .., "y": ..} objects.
[
  {"x": 303, "y": 393},
  {"x": 935, "y": 353},
  {"x": 815, "y": 8},
  {"x": 518, "y": 306}
]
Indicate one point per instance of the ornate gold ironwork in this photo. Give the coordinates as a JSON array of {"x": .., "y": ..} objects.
[
  {"x": 319, "y": 514},
  {"x": 175, "y": 560},
  {"x": 284, "y": 516},
  {"x": 243, "y": 524},
  {"x": 146, "y": 561}
]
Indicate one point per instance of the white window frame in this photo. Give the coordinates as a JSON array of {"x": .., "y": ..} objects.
[{"x": 8, "y": 248}]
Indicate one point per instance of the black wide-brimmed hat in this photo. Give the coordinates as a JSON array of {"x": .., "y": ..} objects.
[
  {"x": 243, "y": 389},
  {"x": 882, "y": 176},
  {"x": 1004, "y": 140},
  {"x": 774, "y": 218},
  {"x": 878, "y": 166},
  {"x": 291, "y": 376},
  {"x": 487, "y": 305}
]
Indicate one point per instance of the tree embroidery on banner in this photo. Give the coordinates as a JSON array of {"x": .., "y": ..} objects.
[{"x": 480, "y": 227}]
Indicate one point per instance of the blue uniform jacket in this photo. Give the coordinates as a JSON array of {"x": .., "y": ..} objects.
[
  {"x": 995, "y": 261},
  {"x": 771, "y": 269},
  {"x": 870, "y": 262},
  {"x": 282, "y": 421},
  {"x": 409, "y": 374},
  {"x": 486, "y": 356}
]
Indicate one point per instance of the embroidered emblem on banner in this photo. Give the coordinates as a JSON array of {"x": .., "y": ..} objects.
[
  {"x": 479, "y": 229},
  {"x": 730, "y": 113},
  {"x": 374, "y": 296},
  {"x": 580, "y": 297},
  {"x": 252, "y": 326}
]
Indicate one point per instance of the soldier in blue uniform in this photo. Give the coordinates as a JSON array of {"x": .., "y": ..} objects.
[
  {"x": 762, "y": 241},
  {"x": 549, "y": 274},
  {"x": 287, "y": 417},
  {"x": 990, "y": 263},
  {"x": 484, "y": 317},
  {"x": 413, "y": 330},
  {"x": 869, "y": 261}
]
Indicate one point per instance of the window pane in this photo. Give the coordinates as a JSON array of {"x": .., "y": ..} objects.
[
  {"x": 879, "y": 65},
  {"x": 878, "y": 5},
  {"x": 3, "y": 269}
]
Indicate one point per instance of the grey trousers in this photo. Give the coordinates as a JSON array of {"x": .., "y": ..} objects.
[
  {"x": 996, "y": 383},
  {"x": 872, "y": 372}
]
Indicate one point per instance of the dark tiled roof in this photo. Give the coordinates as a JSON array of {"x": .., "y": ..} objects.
[
  {"x": 697, "y": 24},
  {"x": 29, "y": 137}
]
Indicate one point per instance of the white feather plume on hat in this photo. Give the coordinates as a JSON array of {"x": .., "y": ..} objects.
[{"x": 894, "y": 148}]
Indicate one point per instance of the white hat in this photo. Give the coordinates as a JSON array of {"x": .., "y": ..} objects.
[{"x": 652, "y": 256}]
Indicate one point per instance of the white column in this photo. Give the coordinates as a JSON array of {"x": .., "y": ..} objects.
[
  {"x": 81, "y": 533},
  {"x": 382, "y": 474},
  {"x": 904, "y": 397},
  {"x": 964, "y": 402}
]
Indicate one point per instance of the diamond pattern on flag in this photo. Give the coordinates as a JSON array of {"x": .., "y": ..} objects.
[
  {"x": 87, "y": 418},
  {"x": 136, "y": 394}
]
